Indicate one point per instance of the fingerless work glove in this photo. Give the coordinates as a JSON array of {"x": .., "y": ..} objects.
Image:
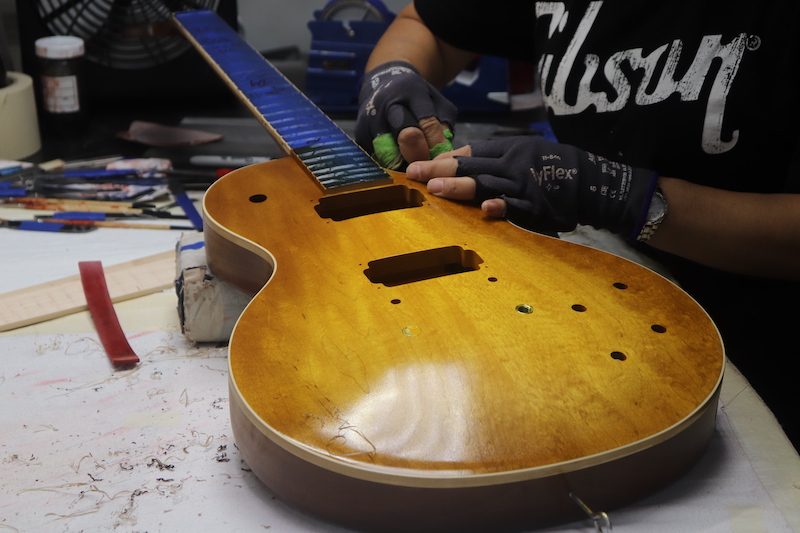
[
  {"x": 551, "y": 187},
  {"x": 394, "y": 96}
]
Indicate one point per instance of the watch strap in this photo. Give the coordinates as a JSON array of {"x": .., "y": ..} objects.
[{"x": 653, "y": 220}]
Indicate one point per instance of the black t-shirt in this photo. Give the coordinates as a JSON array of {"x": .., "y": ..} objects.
[
  {"x": 702, "y": 90},
  {"x": 705, "y": 91}
]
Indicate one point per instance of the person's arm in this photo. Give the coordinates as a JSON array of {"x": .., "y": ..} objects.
[
  {"x": 409, "y": 39},
  {"x": 746, "y": 233}
]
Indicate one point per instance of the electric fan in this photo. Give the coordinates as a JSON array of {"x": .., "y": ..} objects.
[{"x": 132, "y": 49}]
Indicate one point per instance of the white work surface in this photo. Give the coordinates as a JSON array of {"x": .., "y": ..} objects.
[{"x": 87, "y": 448}]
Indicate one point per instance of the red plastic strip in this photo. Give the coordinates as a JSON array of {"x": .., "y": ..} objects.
[{"x": 103, "y": 315}]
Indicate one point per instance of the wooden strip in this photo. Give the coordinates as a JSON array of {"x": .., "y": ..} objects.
[
  {"x": 65, "y": 296},
  {"x": 104, "y": 316}
]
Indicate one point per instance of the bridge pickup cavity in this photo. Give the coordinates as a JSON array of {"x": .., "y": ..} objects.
[{"x": 417, "y": 266}]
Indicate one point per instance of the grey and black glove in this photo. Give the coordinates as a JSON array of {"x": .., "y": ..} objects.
[
  {"x": 394, "y": 96},
  {"x": 550, "y": 187}
]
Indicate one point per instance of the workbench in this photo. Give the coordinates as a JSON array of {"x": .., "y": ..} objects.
[
  {"x": 86, "y": 447},
  {"x": 89, "y": 448}
]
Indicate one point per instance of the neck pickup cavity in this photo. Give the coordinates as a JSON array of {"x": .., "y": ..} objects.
[{"x": 367, "y": 202}]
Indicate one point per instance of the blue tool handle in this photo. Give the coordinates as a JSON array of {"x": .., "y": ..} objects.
[
  {"x": 98, "y": 173},
  {"x": 33, "y": 225},
  {"x": 81, "y": 215}
]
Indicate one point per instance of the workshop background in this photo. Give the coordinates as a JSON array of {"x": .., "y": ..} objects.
[{"x": 257, "y": 22}]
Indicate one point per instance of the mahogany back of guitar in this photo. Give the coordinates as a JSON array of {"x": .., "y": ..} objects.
[{"x": 412, "y": 366}]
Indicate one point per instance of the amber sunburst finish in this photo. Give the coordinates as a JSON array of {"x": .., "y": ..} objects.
[{"x": 407, "y": 365}]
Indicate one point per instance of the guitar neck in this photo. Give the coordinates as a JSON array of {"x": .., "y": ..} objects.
[{"x": 300, "y": 128}]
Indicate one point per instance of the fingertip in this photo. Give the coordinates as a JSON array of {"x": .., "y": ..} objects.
[
  {"x": 435, "y": 187},
  {"x": 494, "y": 207},
  {"x": 412, "y": 144}
]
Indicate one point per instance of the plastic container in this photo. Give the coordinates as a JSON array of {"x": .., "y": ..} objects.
[{"x": 63, "y": 112}]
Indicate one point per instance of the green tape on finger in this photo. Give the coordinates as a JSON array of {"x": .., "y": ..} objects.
[
  {"x": 446, "y": 146},
  {"x": 387, "y": 153}
]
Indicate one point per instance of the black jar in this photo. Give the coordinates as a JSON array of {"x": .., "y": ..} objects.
[{"x": 63, "y": 112}]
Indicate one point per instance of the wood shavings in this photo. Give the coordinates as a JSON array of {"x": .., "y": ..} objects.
[
  {"x": 51, "y": 346},
  {"x": 222, "y": 455},
  {"x": 54, "y": 488},
  {"x": 220, "y": 370},
  {"x": 30, "y": 462},
  {"x": 79, "y": 346},
  {"x": 161, "y": 466},
  {"x": 77, "y": 466},
  {"x": 208, "y": 438},
  {"x": 184, "y": 397},
  {"x": 94, "y": 489},
  {"x": 126, "y": 514},
  {"x": 217, "y": 404},
  {"x": 155, "y": 392},
  {"x": 73, "y": 515},
  {"x": 168, "y": 488}
]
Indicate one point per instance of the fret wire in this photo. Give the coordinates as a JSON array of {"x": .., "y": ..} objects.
[
  {"x": 301, "y": 124},
  {"x": 345, "y": 176},
  {"x": 340, "y": 166},
  {"x": 351, "y": 158},
  {"x": 318, "y": 133},
  {"x": 315, "y": 155},
  {"x": 300, "y": 141},
  {"x": 334, "y": 150}
]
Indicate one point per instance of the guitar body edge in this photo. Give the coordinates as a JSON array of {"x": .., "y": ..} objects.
[
  {"x": 541, "y": 501},
  {"x": 235, "y": 259}
]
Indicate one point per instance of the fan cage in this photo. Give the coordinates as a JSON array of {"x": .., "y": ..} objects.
[{"x": 123, "y": 34}]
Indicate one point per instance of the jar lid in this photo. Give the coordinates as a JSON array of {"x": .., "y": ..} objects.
[{"x": 59, "y": 47}]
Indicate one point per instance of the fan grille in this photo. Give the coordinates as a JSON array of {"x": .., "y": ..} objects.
[{"x": 124, "y": 34}]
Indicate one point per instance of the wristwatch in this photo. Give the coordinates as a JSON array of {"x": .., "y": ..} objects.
[{"x": 655, "y": 215}]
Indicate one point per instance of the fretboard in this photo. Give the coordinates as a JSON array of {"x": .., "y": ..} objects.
[{"x": 299, "y": 126}]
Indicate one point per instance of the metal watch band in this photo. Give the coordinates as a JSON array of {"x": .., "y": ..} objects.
[{"x": 654, "y": 219}]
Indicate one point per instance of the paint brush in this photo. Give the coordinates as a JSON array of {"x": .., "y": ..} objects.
[
  {"x": 38, "y": 225},
  {"x": 114, "y": 224},
  {"x": 59, "y": 204}
]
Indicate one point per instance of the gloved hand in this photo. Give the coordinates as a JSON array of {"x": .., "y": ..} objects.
[
  {"x": 553, "y": 187},
  {"x": 394, "y": 96}
]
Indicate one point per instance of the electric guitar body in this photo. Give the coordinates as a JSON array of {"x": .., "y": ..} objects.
[{"x": 409, "y": 365}]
